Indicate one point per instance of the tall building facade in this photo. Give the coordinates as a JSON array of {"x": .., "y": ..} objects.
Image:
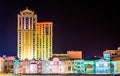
[
  {"x": 44, "y": 40},
  {"x": 34, "y": 39},
  {"x": 27, "y": 41}
]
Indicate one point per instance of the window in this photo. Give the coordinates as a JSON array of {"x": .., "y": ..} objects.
[
  {"x": 22, "y": 23},
  {"x": 30, "y": 22},
  {"x": 11, "y": 66},
  {"x": 47, "y": 31},
  {"x": 69, "y": 68},
  {"x": 27, "y": 22},
  {"x": 33, "y": 25},
  {"x": 19, "y": 21}
]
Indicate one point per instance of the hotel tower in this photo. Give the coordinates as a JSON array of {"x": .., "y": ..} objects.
[
  {"x": 34, "y": 39},
  {"x": 44, "y": 40}
]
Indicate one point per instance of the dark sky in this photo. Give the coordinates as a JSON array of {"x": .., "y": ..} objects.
[{"x": 88, "y": 26}]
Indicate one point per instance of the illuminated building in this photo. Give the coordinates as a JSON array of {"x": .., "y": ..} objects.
[
  {"x": 118, "y": 54},
  {"x": 9, "y": 64},
  {"x": 102, "y": 67},
  {"x": 118, "y": 51},
  {"x": 111, "y": 52},
  {"x": 21, "y": 68},
  {"x": 39, "y": 66},
  {"x": 69, "y": 66},
  {"x": 16, "y": 66},
  {"x": 106, "y": 56},
  {"x": 74, "y": 54},
  {"x": 113, "y": 67},
  {"x": 114, "y": 54},
  {"x": 33, "y": 66},
  {"x": 34, "y": 39},
  {"x": 60, "y": 56},
  {"x": 89, "y": 66},
  {"x": 26, "y": 66},
  {"x": 45, "y": 67},
  {"x": 69, "y": 55},
  {"x": 1, "y": 65},
  {"x": 118, "y": 66},
  {"x": 57, "y": 66},
  {"x": 27, "y": 22},
  {"x": 79, "y": 67},
  {"x": 44, "y": 40}
]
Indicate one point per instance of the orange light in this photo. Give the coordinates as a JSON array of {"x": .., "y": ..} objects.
[{"x": 75, "y": 54}]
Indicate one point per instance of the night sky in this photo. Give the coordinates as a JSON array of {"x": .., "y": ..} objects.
[{"x": 88, "y": 26}]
